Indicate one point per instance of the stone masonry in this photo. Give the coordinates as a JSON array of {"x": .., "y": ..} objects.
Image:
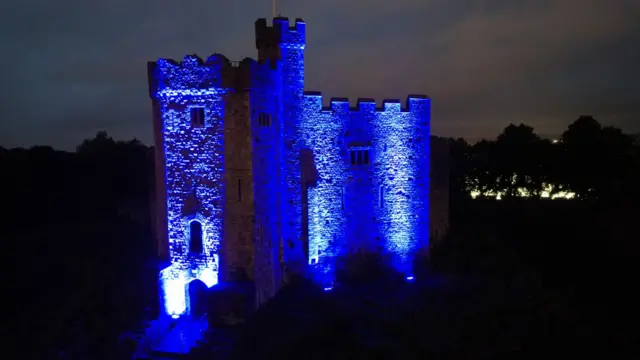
[{"x": 255, "y": 179}]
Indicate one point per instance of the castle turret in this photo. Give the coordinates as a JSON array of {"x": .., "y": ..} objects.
[
  {"x": 286, "y": 44},
  {"x": 189, "y": 108}
]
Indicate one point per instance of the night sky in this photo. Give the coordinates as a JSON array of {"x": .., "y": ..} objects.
[{"x": 70, "y": 68}]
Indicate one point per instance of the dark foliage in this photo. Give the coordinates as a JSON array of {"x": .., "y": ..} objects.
[
  {"x": 592, "y": 161},
  {"x": 516, "y": 278},
  {"x": 77, "y": 253},
  {"x": 364, "y": 268},
  {"x": 438, "y": 316}
]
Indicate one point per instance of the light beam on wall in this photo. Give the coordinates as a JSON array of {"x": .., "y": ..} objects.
[
  {"x": 193, "y": 174},
  {"x": 370, "y": 188}
]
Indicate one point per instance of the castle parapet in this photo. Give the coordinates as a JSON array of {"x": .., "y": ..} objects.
[
  {"x": 282, "y": 33},
  {"x": 414, "y": 103},
  {"x": 195, "y": 76}
]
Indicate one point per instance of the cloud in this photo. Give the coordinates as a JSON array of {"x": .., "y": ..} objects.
[
  {"x": 499, "y": 62},
  {"x": 81, "y": 65},
  {"x": 505, "y": 45},
  {"x": 545, "y": 63}
]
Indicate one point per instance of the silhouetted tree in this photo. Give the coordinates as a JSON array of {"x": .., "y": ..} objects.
[
  {"x": 76, "y": 234},
  {"x": 596, "y": 160},
  {"x": 76, "y": 243},
  {"x": 483, "y": 172},
  {"x": 519, "y": 165},
  {"x": 591, "y": 161},
  {"x": 459, "y": 167}
]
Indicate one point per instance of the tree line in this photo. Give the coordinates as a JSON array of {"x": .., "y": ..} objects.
[
  {"x": 78, "y": 251},
  {"x": 587, "y": 161}
]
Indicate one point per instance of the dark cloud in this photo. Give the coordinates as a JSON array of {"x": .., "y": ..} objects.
[{"x": 72, "y": 68}]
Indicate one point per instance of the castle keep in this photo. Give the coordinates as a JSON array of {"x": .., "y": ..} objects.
[{"x": 256, "y": 179}]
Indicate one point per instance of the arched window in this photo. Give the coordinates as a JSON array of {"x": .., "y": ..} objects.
[{"x": 195, "y": 237}]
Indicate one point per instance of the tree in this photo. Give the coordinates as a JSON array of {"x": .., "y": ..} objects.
[
  {"x": 100, "y": 144},
  {"x": 86, "y": 277},
  {"x": 595, "y": 160},
  {"x": 458, "y": 166},
  {"x": 482, "y": 173},
  {"x": 518, "y": 161}
]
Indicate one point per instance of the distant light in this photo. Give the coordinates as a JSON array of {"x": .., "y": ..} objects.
[
  {"x": 410, "y": 278},
  {"x": 328, "y": 288},
  {"x": 547, "y": 191},
  {"x": 175, "y": 316}
]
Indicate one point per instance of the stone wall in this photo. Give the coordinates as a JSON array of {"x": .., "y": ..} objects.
[
  {"x": 276, "y": 179},
  {"x": 192, "y": 158},
  {"x": 237, "y": 248},
  {"x": 376, "y": 201},
  {"x": 266, "y": 130},
  {"x": 291, "y": 43}
]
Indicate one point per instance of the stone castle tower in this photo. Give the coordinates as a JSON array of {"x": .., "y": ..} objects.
[{"x": 256, "y": 179}]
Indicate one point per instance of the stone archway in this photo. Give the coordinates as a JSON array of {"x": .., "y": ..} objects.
[{"x": 197, "y": 300}]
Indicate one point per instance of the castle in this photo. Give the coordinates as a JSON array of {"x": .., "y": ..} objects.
[{"x": 256, "y": 179}]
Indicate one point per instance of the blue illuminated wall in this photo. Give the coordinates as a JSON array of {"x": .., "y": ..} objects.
[
  {"x": 307, "y": 204},
  {"x": 378, "y": 206},
  {"x": 193, "y": 171},
  {"x": 291, "y": 42}
]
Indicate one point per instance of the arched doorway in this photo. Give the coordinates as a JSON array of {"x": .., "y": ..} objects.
[{"x": 198, "y": 300}]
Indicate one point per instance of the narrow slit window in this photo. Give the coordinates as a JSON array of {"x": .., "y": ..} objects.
[
  {"x": 342, "y": 195},
  {"x": 359, "y": 156},
  {"x": 195, "y": 237},
  {"x": 197, "y": 117},
  {"x": 264, "y": 119},
  {"x": 381, "y": 197}
]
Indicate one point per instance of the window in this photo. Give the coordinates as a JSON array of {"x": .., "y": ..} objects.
[
  {"x": 239, "y": 190},
  {"x": 381, "y": 197},
  {"x": 197, "y": 116},
  {"x": 195, "y": 237},
  {"x": 264, "y": 119},
  {"x": 314, "y": 257},
  {"x": 359, "y": 156}
]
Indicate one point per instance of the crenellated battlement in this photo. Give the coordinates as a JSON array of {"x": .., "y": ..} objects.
[
  {"x": 234, "y": 142},
  {"x": 194, "y": 74},
  {"x": 281, "y": 33},
  {"x": 314, "y": 99}
]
